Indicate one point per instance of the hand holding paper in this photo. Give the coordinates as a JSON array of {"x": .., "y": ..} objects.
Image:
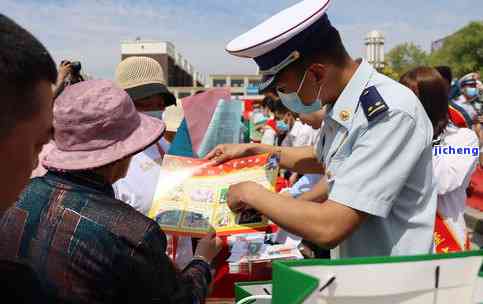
[
  {"x": 224, "y": 153},
  {"x": 237, "y": 195},
  {"x": 209, "y": 246}
]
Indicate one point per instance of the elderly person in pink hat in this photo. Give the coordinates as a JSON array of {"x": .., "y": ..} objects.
[{"x": 87, "y": 246}]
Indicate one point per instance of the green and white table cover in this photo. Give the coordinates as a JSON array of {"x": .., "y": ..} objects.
[{"x": 446, "y": 278}]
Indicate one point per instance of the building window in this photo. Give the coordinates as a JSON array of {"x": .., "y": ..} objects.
[
  {"x": 237, "y": 94},
  {"x": 252, "y": 88},
  {"x": 254, "y": 82},
  {"x": 183, "y": 95},
  {"x": 219, "y": 82},
  {"x": 237, "y": 83}
]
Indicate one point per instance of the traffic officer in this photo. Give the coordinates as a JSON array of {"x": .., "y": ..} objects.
[
  {"x": 469, "y": 99},
  {"x": 375, "y": 146}
]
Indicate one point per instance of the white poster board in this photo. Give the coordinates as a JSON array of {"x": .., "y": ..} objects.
[{"x": 449, "y": 278}]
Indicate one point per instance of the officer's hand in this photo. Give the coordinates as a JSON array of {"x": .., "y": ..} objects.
[
  {"x": 223, "y": 153},
  {"x": 238, "y": 196}
]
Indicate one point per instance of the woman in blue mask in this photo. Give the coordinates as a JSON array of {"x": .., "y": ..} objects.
[
  {"x": 452, "y": 172},
  {"x": 282, "y": 126},
  {"x": 276, "y": 128}
]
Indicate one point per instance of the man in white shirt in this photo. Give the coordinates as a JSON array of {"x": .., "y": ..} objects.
[
  {"x": 375, "y": 144},
  {"x": 300, "y": 135},
  {"x": 308, "y": 181}
]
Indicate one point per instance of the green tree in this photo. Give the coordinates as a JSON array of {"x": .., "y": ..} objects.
[
  {"x": 405, "y": 57},
  {"x": 462, "y": 51},
  {"x": 389, "y": 72}
]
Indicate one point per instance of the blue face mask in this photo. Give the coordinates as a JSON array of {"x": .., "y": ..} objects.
[
  {"x": 293, "y": 102},
  {"x": 155, "y": 114},
  {"x": 282, "y": 126},
  {"x": 471, "y": 92}
]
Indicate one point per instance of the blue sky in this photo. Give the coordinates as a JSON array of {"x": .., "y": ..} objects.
[{"x": 91, "y": 30}]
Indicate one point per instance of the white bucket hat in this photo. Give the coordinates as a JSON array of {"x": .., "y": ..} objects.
[{"x": 142, "y": 77}]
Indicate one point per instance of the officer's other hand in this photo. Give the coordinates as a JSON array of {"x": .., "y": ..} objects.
[
  {"x": 237, "y": 197},
  {"x": 224, "y": 153}
]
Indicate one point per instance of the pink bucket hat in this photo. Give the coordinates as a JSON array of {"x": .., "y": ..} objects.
[{"x": 95, "y": 124}]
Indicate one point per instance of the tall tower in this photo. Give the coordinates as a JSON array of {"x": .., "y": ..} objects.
[{"x": 375, "y": 49}]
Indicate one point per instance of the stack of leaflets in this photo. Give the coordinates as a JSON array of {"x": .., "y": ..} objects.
[{"x": 252, "y": 249}]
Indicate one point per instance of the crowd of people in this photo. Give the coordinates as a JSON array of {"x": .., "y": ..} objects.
[{"x": 81, "y": 163}]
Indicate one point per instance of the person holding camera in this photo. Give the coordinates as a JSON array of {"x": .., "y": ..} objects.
[{"x": 69, "y": 74}]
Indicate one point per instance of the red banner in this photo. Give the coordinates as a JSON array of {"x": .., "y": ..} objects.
[{"x": 444, "y": 239}]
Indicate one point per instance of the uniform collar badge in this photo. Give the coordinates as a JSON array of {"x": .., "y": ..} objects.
[{"x": 345, "y": 115}]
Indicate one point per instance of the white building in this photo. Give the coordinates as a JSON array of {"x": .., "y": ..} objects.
[
  {"x": 179, "y": 72},
  {"x": 375, "y": 49},
  {"x": 241, "y": 85}
]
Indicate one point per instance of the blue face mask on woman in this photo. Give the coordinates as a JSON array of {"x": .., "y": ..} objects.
[
  {"x": 282, "y": 126},
  {"x": 293, "y": 102},
  {"x": 471, "y": 92},
  {"x": 155, "y": 114}
]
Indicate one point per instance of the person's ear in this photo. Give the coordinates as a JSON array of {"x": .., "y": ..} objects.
[
  {"x": 415, "y": 88},
  {"x": 318, "y": 72},
  {"x": 161, "y": 102}
]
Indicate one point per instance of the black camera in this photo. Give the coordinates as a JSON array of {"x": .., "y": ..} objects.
[{"x": 76, "y": 67}]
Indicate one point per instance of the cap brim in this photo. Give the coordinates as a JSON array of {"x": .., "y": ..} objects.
[
  {"x": 151, "y": 89},
  {"x": 468, "y": 82},
  {"x": 147, "y": 133}
]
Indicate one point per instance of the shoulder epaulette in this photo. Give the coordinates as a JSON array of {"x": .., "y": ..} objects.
[{"x": 372, "y": 103}]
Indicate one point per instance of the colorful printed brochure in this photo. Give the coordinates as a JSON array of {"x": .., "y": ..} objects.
[{"x": 191, "y": 196}]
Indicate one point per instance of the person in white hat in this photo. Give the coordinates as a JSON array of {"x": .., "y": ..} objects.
[
  {"x": 375, "y": 145},
  {"x": 143, "y": 79}
]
